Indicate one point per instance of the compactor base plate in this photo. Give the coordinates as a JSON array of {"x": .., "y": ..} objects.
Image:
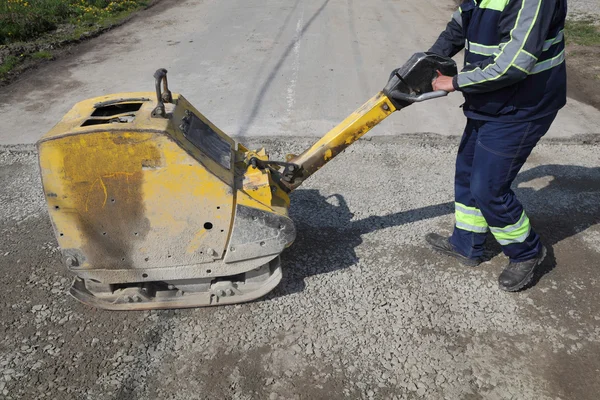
[{"x": 180, "y": 294}]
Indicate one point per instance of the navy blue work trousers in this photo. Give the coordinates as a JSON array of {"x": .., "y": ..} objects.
[{"x": 490, "y": 155}]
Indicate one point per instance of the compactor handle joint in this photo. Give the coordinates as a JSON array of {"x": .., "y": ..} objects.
[
  {"x": 290, "y": 170},
  {"x": 162, "y": 97},
  {"x": 262, "y": 164}
]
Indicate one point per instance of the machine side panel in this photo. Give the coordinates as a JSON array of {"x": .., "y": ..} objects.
[{"x": 133, "y": 201}]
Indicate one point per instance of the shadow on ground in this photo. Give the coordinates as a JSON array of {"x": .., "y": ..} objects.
[{"x": 553, "y": 196}]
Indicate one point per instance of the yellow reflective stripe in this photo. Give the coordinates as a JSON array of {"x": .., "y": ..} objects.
[
  {"x": 529, "y": 54},
  {"x": 520, "y": 239},
  {"x": 497, "y": 5},
  {"x": 467, "y": 209},
  {"x": 481, "y": 49},
  {"x": 481, "y": 53},
  {"x": 521, "y": 69},
  {"x": 537, "y": 12},
  {"x": 548, "y": 64},
  {"x": 471, "y": 228},
  {"x": 515, "y": 233},
  {"x": 525, "y": 61},
  {"x": 469, "y": 218},
  {"x": 551, "y": 42},
  {"x": 485, "y": 46}
]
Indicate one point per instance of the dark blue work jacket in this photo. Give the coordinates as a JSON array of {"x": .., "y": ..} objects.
[{"x": 514, "y": 57}]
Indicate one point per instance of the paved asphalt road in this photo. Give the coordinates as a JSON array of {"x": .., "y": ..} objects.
[
  {"x": 256, "y": 67},
  {"x": 364, "y": 310}
]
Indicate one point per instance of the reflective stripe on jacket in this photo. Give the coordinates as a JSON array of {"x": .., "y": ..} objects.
[{"x": 514, "y": 57}]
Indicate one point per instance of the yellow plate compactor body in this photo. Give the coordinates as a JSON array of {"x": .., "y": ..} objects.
[{"x": 154, "y": 207}]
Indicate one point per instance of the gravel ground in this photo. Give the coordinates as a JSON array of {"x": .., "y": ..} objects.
[{"x": 365, "y": 310}]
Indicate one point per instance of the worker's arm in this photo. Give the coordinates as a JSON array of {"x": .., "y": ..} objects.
[
  {"x": 526, "y": 24},
  {"x": 451, "y": 40}
]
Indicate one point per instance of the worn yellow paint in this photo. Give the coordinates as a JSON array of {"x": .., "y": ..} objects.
[
  {"x": 258, "y": 188},
  {"x": 355, "y": 125},
  {"x": 260, "y": 191},
  {"x": 344, "y": 134},
  {"x": 196, "y": 242},
  {"x": 100, "y": 181},
  {"x": 134, "y": 195},
  {"x": 103, "y": 186},
  {"x": 70, "y": 124},
  {"x": 143, "y": 122},
  {"x": 256, "y": 184},
  {"x": 139, "y": 195}
]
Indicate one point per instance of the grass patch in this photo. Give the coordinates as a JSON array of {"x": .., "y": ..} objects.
[
  {"x": 582, "y": 32},
  {"x": 25, "y": 20},
  {"x": 42, "y": 55},
  {"x": 29, "y": 28},
  {"x": 7, "y": 65}
]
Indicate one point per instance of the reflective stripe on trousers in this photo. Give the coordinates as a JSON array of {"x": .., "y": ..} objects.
[{"x": 489, "y": 157}]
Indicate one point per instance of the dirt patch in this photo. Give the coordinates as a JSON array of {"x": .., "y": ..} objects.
[{"x": 583, "y": 74}]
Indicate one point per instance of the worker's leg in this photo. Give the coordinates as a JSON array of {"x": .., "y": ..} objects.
[
  {"x": 466, "y": 242},
  {"x": 470, "y": 229},
  {"x": 501, "y": 151}
]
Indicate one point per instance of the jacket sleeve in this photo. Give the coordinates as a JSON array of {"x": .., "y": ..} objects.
[
  {"x": 525, "y": 25},
  {"x": 451, "y": 40}
]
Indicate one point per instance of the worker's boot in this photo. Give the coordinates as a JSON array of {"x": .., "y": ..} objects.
[
  {"x": 517, "y": 275},
  {"x": 443, "y": 245}
]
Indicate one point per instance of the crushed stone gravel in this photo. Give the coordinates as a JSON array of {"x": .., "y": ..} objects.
[{"x": 365, "y": 309}]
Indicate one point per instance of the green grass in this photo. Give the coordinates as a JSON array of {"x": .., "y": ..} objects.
[
  {"x": 42, "y": 55},
  {"x": 9, "y": 63},
  {"x": 26, "y": 20},
  {"x": 582, "y": 32},
  {"x": 33, "y": 25}
]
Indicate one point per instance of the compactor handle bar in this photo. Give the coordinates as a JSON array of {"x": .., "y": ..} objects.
[
  {"x": 420, "y": 98},
  {"x": 408, "y": 84}
]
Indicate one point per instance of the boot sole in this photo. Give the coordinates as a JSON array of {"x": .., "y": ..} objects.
[{"x": 527, "y": 280}]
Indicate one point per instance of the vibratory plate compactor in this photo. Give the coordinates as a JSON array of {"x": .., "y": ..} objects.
[{"x": 154, "y": 207}]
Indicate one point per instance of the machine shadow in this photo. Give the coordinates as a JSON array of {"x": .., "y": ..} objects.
[{"x": 327, "y": 236}]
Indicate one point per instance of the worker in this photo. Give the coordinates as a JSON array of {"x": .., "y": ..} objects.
[{"x": 514, "y": 83}]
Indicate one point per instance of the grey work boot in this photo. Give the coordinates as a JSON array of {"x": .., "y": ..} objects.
[
  {"x": 442, "y": 244},
  {"x": 517, "y": 275}
]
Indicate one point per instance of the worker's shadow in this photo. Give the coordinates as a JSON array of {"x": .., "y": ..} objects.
[{"x": 561, "y": 201}]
